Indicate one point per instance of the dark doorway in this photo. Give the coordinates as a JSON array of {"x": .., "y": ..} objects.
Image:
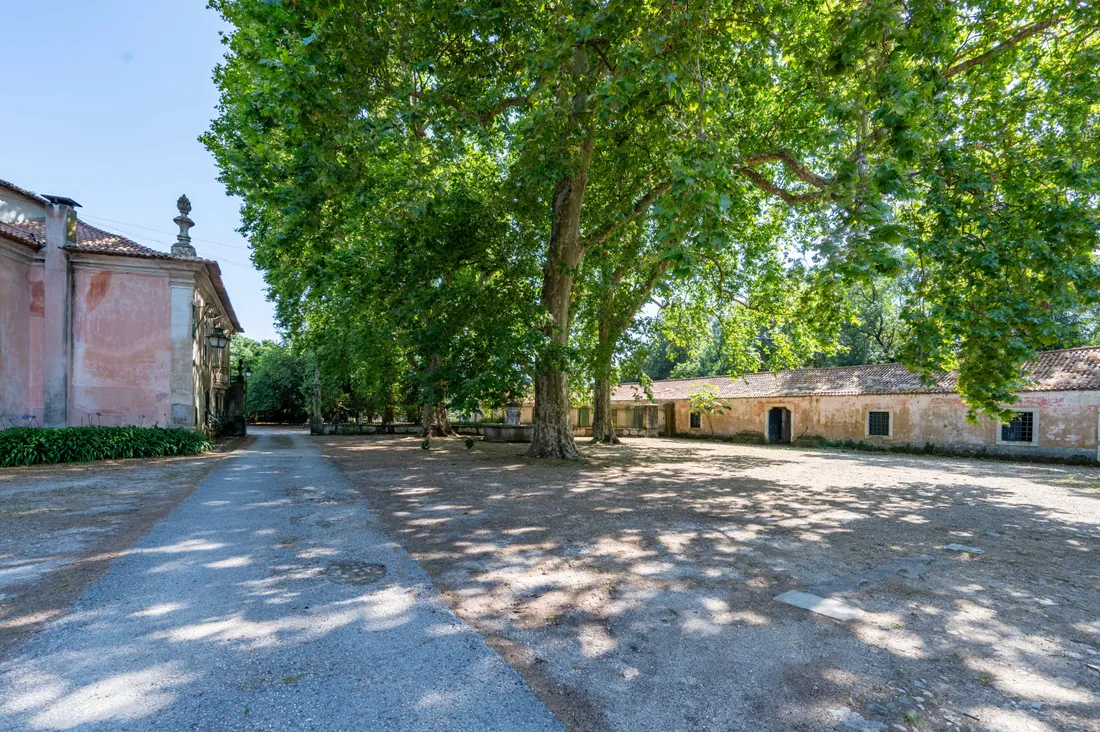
[{"x": 779, "y": 425}]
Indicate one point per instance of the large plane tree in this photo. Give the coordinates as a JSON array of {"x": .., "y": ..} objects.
[{"x": 959, "y": 139}]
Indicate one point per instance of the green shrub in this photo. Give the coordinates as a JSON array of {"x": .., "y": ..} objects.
[{"x": 32, "y": 445}]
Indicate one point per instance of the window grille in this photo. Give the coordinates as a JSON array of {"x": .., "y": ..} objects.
[
  {"x": 1020, "y": 429},
  {"x": 696, "y": 420},
  {"x": 878, "y": 424}
]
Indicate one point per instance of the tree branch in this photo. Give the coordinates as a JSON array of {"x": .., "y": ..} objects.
[
  {"x": 791, "y": 199},
  {"x": 1022, "y": 35},
  {"x": 485, "y": 118},
  {"x": 793, "y": 165},
  {"x": 720, "y": 285},
  {"x": 599, "y": 236},
  {"x": 501, "y": 106}
]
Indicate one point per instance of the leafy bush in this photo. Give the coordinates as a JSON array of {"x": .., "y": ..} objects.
[{"x": 31, "y": 446}]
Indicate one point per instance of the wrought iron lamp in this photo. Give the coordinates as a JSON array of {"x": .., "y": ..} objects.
[{"x": 217, "y": 339}]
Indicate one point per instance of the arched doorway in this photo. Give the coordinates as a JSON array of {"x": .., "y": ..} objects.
[{"x": 779, "y": 425}]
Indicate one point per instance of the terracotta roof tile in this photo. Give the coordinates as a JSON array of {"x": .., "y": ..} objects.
[
  {"x": 88, "y": 239},
  {"x": 25, "y": 233},
  {"x": 1071, "y": 369},
  {"x": 94, "y": 240}
]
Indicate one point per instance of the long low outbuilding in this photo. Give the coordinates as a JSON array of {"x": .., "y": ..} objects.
[{"x": 1056, "y": 415}]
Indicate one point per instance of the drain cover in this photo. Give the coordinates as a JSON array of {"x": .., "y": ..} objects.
[{"x": 355, "y": 573}]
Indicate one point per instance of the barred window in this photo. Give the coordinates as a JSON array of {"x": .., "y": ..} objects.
[
  {"x": 696, "y": 420},
  {"x": 1020, "y": 429},
  {"x": 639, "y": 418},
  {"x": 615, "y": 417},
  {"x": 582, "y": 417},
  {"x": 878, "y": 424}
]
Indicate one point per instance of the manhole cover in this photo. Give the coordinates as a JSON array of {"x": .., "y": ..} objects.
[{"x": 355, "y": 573}]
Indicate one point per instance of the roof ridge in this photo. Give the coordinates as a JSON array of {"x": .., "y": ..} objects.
[
  {"x": 780, "y": 371},
  {"x": 1038, "y": 355},
  {"x": 125, "y": 239},
  {"x": 1058, "y": 369},
  {"x": 1065, "y": 350},
  {"x": 37, "y": 197}
]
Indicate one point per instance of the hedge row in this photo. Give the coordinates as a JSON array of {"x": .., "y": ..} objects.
[{"x": 32, "y": 445}]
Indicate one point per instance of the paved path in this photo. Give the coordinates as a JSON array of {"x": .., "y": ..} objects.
[{"x": 269, "y": 600}]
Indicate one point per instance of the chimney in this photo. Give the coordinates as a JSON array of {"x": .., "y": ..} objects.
[{"x": 182, "y": 247}]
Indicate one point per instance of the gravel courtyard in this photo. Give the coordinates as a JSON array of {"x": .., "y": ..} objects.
[
  {"x": 635, "y": 591},
  {"x": 62, "y": 525}
]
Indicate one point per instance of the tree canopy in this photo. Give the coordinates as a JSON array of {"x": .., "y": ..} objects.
[{"x": 778, "y": 152}]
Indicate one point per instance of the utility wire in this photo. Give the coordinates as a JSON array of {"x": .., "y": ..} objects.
[
  {"x": 161, "y": 231},
  {"x": 164, "y": 243}
]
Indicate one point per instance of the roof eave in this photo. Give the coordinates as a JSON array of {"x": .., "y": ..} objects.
[
  {"x": 215, "y": 274},
  {"x": 30, "y": 244},
  {"x": 42, "y": 200}
]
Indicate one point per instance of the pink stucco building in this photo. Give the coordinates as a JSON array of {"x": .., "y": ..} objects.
[{"x": 97, "y": 329}]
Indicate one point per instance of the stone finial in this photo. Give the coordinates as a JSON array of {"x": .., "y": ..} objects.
[{"x": 182, "y": 247}]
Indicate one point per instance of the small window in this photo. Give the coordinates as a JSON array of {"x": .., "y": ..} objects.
[
  {"x": 1020, "y": 429},
  {"x": 696, "y": 420},
  {"x": 615, "y": 417},
  {"x": 582, "y": 417},
  {"x": 878, "y": 424},
  {"x": 639, "y": 418}
]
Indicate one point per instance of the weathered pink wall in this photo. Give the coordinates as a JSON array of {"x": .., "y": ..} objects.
[
  {"x": 1067, "y": 420},
  {"x": 15, "y": 340},
  {"x": 35, "y": 386},
  {"x": 121, "y": 348}
]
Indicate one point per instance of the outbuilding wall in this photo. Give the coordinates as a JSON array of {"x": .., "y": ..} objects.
[{"x": 1067, "y": 421}]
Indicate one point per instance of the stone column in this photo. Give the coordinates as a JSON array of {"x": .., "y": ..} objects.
[
  {"x": 182, "y": 378},
  {"x": 57, "y": 315}
]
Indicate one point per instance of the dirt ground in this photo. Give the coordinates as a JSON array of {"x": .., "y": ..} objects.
[
  {"x": 635, "y": 591},
  {"x": 61, "y": 525}
]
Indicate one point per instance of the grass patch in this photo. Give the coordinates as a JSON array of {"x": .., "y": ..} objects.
[{"x": 44, "y": 446}]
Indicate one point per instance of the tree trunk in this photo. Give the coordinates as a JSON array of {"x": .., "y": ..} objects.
[
  {"x": 553, "y": 435},
  {"x": 316, "y": 423},
  {"x": 603, "y": 427},
  {"x": 434, "y": 422}
]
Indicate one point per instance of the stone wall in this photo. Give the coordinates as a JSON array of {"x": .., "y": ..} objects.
[{"x": 1067, "y": 422}]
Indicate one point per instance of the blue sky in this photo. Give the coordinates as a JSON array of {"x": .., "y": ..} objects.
[{"x": 104, "y": 102}]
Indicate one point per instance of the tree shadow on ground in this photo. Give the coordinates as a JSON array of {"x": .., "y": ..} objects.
[
  {"x": 635, "y": 590},
  {"x": 251, "y": 608}
]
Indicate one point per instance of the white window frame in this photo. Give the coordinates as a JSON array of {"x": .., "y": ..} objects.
[
  {"x": 867, "y": 423},
  {"x": 1034, "y": 429}
]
